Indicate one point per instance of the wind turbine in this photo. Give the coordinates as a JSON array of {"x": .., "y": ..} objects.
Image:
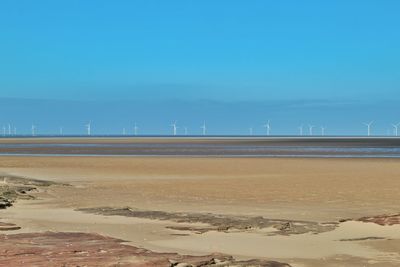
[
  {"x": 186, "y": 130},
  {"x": 301, "y": 129},
  {"x": 4, "y": 130},
  {"x": 123, "y": 131},
  {"x": 268, "y": 127},
  {"x": 61, "y": 130},
  {"x": 204, "y": 128},
  {"x": 33, "y": 129},
  {"x": 15, "y": 130},
  {"x": 88, "y": 128},
  {"x": 396, "y": 128},
  {"x": 9, "y": 129},
  {"x": 251, "y": 130},
  {"x": 310, "y": 128},
  {"x": 174, "y": 127},
  {"x": 323, "y": 130},
  {"x": 135, "y": 129},
  {"x": 368, "y": 124}
]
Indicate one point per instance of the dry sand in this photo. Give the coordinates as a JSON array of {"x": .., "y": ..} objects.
[{"x": 320, "y": 190}]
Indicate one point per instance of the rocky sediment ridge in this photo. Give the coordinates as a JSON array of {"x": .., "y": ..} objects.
[
  {"x": 83, "y": 249},
  {"x": 388, "y": 219},
  {"x": 15, "y": 187},
  {"x": 225, "y": 223},
  {"x": 217, "y": 222}
]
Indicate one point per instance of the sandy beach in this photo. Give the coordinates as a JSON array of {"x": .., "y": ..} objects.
[{"x": 310, "y": 207}]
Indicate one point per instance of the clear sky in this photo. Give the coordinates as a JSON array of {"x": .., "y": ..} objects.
[{"x": 211, "y": 50}]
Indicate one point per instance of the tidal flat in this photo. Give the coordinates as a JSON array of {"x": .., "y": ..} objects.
[{"x": 202, "y": 210}]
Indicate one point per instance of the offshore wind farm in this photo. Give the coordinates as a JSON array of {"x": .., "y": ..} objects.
[{"x": 131, "y": 129}]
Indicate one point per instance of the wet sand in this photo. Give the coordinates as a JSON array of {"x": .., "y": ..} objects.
[
  {"x": 313, "y": 190},
  {"x": 345, "y": 147}
]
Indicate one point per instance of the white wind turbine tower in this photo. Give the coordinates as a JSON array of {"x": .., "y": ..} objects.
[
  {"x": 61, "y": 131},
  {"x": 323, "y": 130},
  {"x": 301, "y": 129},
  {"x": 310, "y": 128},
  {"x": 369, "y": 124},
  {"x": 268, "y": 127},
  {"x": 123, "y": 131},
  {"x": 204, "y": 128},
  {"x": 9, "y": 129},
  {"x": 251, "y": 130},
  {"x": 396, "y": 128},
  {"x": 15, "y": 130},
  {"x": 88, "y": 128},
  {"x": 174, "y": 128},
  {"x": 135, "y": 129},
  {"x": 186, "y": 130},
  {"x": 4, "y": 130},
  {"x": 33, "y": 130}
]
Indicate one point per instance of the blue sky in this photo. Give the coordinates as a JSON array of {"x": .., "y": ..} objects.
[{"x": 164, "y": 53}]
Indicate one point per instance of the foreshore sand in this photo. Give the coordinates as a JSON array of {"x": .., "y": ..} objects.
[{"x": 303, "y": 192}]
